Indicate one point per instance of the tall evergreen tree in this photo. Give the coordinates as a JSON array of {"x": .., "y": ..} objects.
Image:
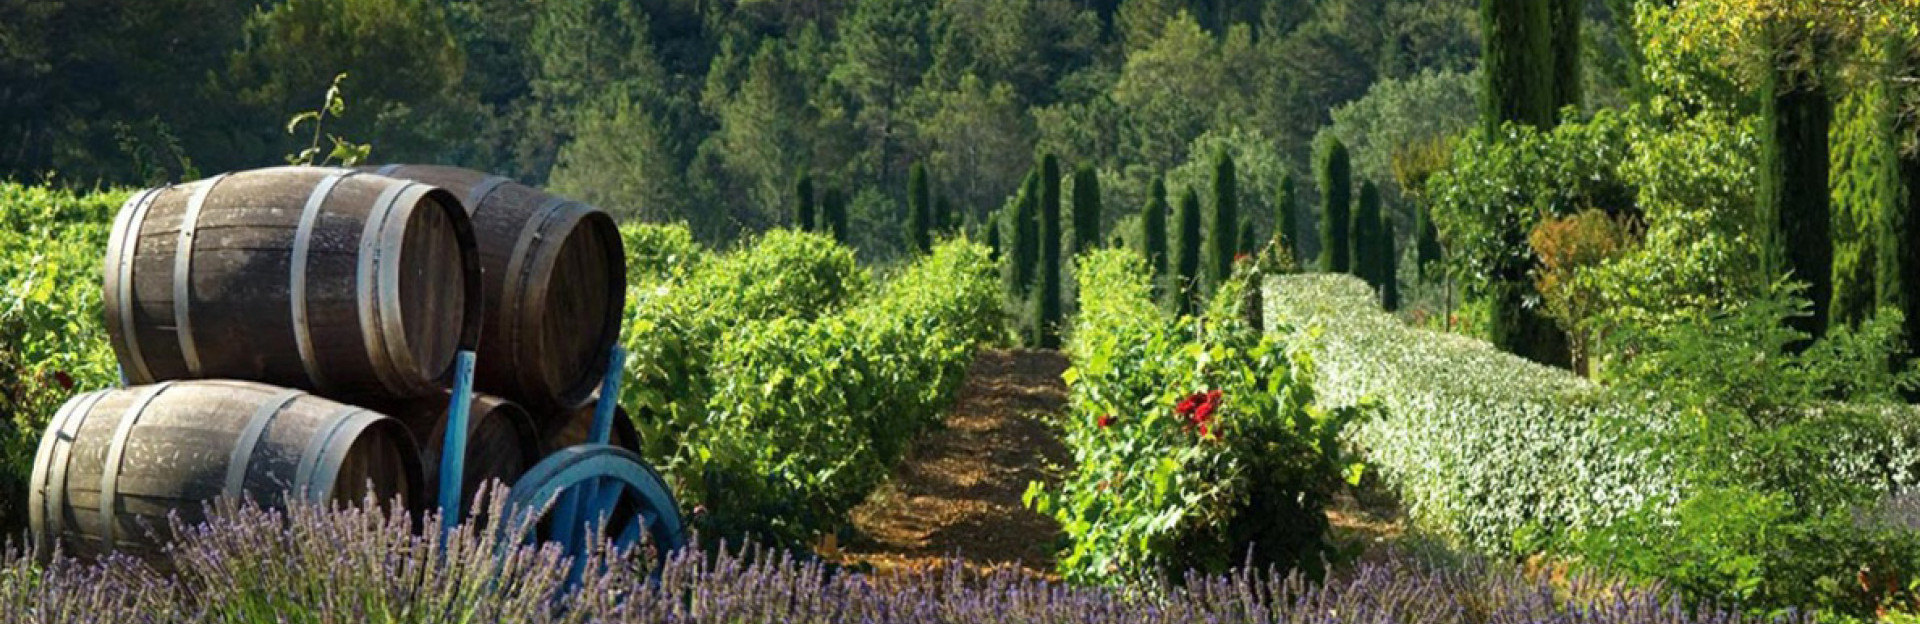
[
  {"x": 944, "y": 218},
  {"x": 1426, "y": 250},
  {"x": 1898, "y": 270},
  {"x": 1286, "y": 220},
  {"x": 804, "y": 212},
  {"x": 1222, "y": 241},
  {"x": 1566, "y": 73},
  {"x": 1517, "y": 63},
  {"x": 1334, "y": 172},
  {"x": 1047, "y": 299},
  {"x": 1153, "y": 223},
  {"x": 1795, "y": 115},
  {"x": 1086, "y": 209},
  {"x": 1249, "y": 241},
  {"x": 1389, "y": 267},
  {"x": 1186, "y": 253},
  {"x": 1866, "y": 196},
  {"x": 993, "y": 236},
  {"x": 919, "y": 209},
  {"x": 833, "y": 215},
  {"x": 1026, "y": 236},
  {"x": 1365, "y": 233}
]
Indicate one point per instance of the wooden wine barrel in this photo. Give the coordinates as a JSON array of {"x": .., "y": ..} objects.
[
  {"x": 554, "y": 273},
  {"x": 114, "y": 463},
  {"x": 502, "y": 442},
  {"x": 563, "y": 429},
  {"x": 344, "y": 283}
]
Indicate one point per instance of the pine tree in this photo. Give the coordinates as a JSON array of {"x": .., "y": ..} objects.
[
  {"x": 1047, "y": 306},
  {"x": 833, "y": 214},
  {"x": 1186, "y": 252},
  {"x": 1426, "y": 250},
  {"x": 919, "y": 209},
  {"x": 1365, "y": 232},
  {"x": 945, "y": 220},
  {"x": 1566, "y": 73},
  {"x": 1086, "y": 209},
  {"x": 1286, "y": 221},
  {"x": 804, "y": 212},
  {"x": 1154, "y": 223},
  {"x": 1795, "y": 115},
  {"x": 1335, "y": 176},
  {"x": 1897, "y": 271},
  {"x": 1222, "y": 241}
]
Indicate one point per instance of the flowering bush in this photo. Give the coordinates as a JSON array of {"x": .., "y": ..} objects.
[
  {"x": 52, "y": 338},
  {"x": 1198, "y": 442},
  {"x": 313, "y": 565}
]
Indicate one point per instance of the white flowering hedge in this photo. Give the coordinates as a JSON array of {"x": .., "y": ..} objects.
[{"x": 1481, "y": 444}]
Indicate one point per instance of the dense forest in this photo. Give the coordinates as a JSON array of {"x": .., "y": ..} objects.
[{"x": 708, "y": 111}]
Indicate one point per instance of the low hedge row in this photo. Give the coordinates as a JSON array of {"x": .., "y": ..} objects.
[
  {"x": 1198, "y": 443},
  {"x": 1483, "y": 446}
]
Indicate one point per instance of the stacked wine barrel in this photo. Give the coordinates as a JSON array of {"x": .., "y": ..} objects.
[{"x": 292, "y": 334}]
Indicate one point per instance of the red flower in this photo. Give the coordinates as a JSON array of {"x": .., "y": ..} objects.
[
  {"x": 1105, "y": 420},
  {"x": 1187, "y": 405},
  {"x": 1205, "y": 432},
  {"x": 1204, "y": 413},
  {"x": 65, "y": 380},
  {"x": 1241, "y": 257}
]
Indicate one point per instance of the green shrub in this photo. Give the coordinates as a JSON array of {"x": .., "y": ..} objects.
[
  {"x": 804, "y": 218},
  {"x": 1086, "y": 209},
  {"x": 658, "y": 252},
  {"x": 806, "y": 416},
  {"x": 1286, "y": 221},
  {"x": 1368, "y": 254},
  {"x": 1046, "y": 298},
  {"x": 53, "y": 343},
  {"x": 833, "y": 215},
  {"x": 1193, "y": 448},
  {"x": 920, "y": 209},
  {"x": 1186, "y": 252},
  {"x": 1153, "y": 225}
]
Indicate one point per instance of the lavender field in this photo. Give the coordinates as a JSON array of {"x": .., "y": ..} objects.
[{"x": 310, "y": 565}]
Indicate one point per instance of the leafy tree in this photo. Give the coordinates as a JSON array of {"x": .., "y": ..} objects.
[
  {"x": 919, "y": 209},
  {"x": 1186, "y": 252},
  {"x": 1335, "y": 177},
  {"x": 1222, "y": 240},
  {"x": 1426, "y": 246},
  {"x": 1086, "y": 209},
  {"x": 622, "y": 162},
  {"x": 763, "y": 132},
  {"x": 803, "y": 211},
  {"x": 979, "y": 136},
  {"x": 1397, "y": 114},
  {"x": 1154, "y": 231}
]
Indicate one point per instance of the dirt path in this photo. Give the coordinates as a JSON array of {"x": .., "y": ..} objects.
[{"x": 959, "y": 489}]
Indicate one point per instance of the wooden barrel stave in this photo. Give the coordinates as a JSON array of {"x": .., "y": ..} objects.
[
  {"x": 553, "y": 273},
  {"x": 170, "y": 448},
  {"x": 323, "y": 279}
]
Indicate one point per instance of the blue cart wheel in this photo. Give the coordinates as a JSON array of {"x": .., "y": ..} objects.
[{"x": 598, "y": 493}]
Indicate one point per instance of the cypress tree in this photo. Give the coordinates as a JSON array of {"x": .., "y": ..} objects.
[
  {"x": 1335, "y": 176},
  {"x": 1086, "y": 209},
  {"x": 1186, "y": 253},
  {"x": 1222, "y": 241},
  {"x": 1249, "y": 242},
  {"x": 1365, "y": 232},
  {"x": 1154, "y": 223},
  {"x": 1566, "y": 73},
  {"x": 1047, "y": 305},
  {"x": 804, "y": 212},
  {"x": 1426, "y": 250},
  {"x": 1286, "y": 224},
  {"x": 1898, "y": 269},
  {"x": 1517, "y": 63},
  {"x": 945, "y": 220},
  {"x": 833, "y": 214},
  {"x": 919, "y": 209},
  {"x": 1026, "y": 235},
  {"x": 993, "y": 236},
  {"x": 1389, "y": 267},
  {"x": 1866, "y": 194},
  {"x": 1795, "y": 115}
]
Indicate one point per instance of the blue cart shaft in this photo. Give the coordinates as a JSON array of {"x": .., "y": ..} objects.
[{"x": 453, "y": 449}]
